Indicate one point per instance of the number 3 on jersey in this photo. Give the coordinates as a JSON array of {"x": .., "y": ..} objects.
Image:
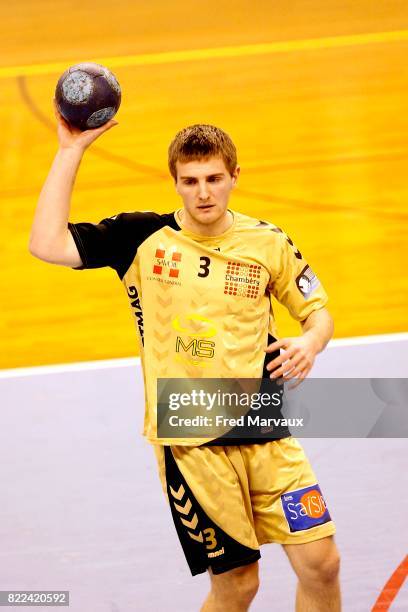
[{"x": 204, "y": 267}]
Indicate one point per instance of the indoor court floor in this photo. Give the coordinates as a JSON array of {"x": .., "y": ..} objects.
[
  {"x": 313, "y": 93},
  {"x": 84, "y": 510}
]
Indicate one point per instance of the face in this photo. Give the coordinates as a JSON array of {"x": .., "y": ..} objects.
[{"x": 205, "y": 187}]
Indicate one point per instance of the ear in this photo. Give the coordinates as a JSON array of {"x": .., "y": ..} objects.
[{"x": 235, "y": 175}]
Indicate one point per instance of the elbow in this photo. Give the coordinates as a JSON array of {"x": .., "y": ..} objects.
[
  {"x": 37, "y": 250},
  {"x": 33, "y": 249}
]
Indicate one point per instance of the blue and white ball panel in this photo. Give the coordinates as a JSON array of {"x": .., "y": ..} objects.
[
  {"x": 100, "y": 117},
  {"x": 77, "y": 88}
]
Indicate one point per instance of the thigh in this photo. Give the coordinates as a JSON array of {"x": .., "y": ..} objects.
[
  {"x": 287, "y": 502},
  {"x": 210, "y": 506},
  {"x": 308, "y": 560},
  {"x": 235, "y": 580}
]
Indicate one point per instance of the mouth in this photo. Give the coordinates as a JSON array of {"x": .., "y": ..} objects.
[{"x": 205, "y": 206}]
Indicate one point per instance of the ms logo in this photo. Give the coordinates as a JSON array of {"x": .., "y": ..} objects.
[{"x": 194, "y": 333}]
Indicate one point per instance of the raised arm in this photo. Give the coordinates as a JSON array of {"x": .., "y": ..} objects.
[{"x": 50, "y": 238}]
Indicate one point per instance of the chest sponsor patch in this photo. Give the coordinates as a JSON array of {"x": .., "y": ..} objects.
[
  {"x": 305, "y": 508},
  {"x": 170, "y": 264},
  {"x": 242, "y": 280}
]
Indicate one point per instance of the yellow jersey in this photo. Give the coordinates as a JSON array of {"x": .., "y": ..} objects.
[{"x": 202, "y": 305}]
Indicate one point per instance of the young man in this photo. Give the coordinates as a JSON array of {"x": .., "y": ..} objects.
[{"x": 199, "y": 282}]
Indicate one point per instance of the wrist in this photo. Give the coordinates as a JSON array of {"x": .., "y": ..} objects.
[
  {"x": 314, "y": 340},
  {"x": 71, "y": 151}
]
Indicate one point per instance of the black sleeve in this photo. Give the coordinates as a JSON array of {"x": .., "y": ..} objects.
[{"x": 114, "y": 241}]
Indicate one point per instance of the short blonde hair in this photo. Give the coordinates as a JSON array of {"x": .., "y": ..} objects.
[{"x": 201, "y": 141}]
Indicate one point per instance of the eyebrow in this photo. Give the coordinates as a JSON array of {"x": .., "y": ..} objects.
[{"x": 208, "y": 176}]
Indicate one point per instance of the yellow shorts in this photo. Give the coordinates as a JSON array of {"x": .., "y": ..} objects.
[{"x": 228, "y": 500}]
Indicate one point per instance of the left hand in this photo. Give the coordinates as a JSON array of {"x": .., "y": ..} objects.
[{"x": 296, "y": 361}]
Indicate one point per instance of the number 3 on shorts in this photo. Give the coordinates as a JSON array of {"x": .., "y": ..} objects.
[{"x": 209, "y": 535}]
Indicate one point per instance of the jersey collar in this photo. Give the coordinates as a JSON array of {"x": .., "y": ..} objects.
[{"x": 201, "y": 236}]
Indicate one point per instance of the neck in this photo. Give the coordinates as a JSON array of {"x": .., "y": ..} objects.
[{"x": 213, "y": 229}]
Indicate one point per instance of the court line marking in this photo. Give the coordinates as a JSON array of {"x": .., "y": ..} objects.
[
  {"x": 392, "y": 587},
  {"x": 125, "y": 162},
  {"x": 374, "y": 339},
  {"x": 78, "y": 366},
  {"x": 151, "y": 173},
  {"x": 127, "y": 362},
  {"x": 189, "y": 55},
  {"x": 158, "y": 174}
]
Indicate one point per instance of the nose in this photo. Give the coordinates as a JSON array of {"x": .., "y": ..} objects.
[{"x": 203, "y": 194}]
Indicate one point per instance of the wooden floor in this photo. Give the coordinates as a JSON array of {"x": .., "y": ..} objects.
[{"x": 321, "y": 126}]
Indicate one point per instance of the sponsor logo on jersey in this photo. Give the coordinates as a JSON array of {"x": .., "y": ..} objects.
[
  {"x": 194, "y": 332},
  {"x": 242, "y": 280},
  {"x": 167, "y": 265},
  {"x": 137, "y": 309},
  {"x": 195, "y": 325},
  {"x": 307, "y": 281},
  {"x": 305, "y": 508}
]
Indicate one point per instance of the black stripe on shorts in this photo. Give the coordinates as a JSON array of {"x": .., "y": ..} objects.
[{"x": 204, "y": 543}]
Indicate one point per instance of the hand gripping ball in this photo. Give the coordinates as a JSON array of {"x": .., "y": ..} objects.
[{"x": 87, "y": 95}]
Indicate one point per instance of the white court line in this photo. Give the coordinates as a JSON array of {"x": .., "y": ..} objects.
[
  {"x": 80, "y": 366},
  {"x": 103, "y": 364},
  {"x": 363, "y": 340}
]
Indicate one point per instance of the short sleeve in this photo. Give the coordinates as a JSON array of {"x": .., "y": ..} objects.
[
  {"x": 97, "y": 243},
  {"x": 293, "y": 282},
  {"x": 114, "y": 241}
]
